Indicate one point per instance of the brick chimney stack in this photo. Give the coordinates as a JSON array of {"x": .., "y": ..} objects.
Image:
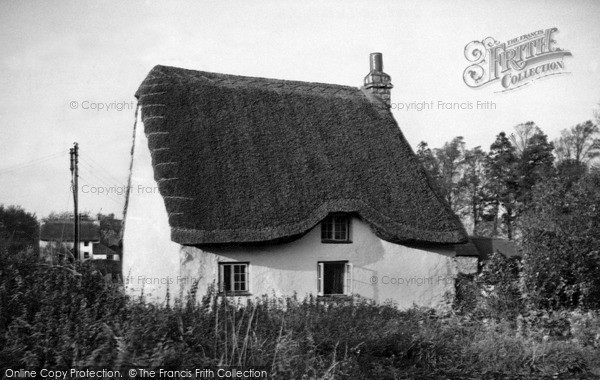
[{"x": 378, "y": 83}]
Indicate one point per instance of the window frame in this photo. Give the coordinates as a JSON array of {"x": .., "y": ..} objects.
[
  {"x": 347, "y": 282},
  {"x": 328, "y": 229},
  {"x": 221, "y": 275}
]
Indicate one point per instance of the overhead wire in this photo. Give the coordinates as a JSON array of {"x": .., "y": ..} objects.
[
  {"x": 98, "y": 166},
  {"x": 110, "y": 196},
  {"x": 33, "y": 162},
  {"x": 103, "y": 182}
]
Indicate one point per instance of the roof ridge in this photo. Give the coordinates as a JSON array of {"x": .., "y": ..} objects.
[{"x": 160, "y": 72}]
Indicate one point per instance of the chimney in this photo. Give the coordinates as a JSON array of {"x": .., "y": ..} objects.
[{"x": 378, "y": 83}]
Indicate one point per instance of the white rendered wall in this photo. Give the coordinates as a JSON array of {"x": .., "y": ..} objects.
[
  {"x": 383, "y": 272},
  {"x": 83, "y": 249},
  {"x": 105, "y": 257},
  {"x": 150, "y": 258}
]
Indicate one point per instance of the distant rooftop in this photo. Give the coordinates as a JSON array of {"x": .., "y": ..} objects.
[{"x": 62, "y": 231}]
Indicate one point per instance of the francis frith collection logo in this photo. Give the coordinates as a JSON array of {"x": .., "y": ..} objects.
[{"x": 515, "y": 63}]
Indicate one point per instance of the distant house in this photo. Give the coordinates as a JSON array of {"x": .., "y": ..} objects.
[
  {"x": 57, "y": 234},
  {"x": 486, "y": 247},
  {"x": 476, "y": 253},
  {"x": 102, "y": 252},
  {"x": 264, "y": 186}
]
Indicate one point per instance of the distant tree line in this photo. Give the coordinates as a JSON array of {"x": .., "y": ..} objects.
[
  {"x": 490, "y": 191},
  {"x": 543, "y": 194}
]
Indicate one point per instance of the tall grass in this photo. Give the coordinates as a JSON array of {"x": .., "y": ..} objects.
[{"x": 69, "y": 316}]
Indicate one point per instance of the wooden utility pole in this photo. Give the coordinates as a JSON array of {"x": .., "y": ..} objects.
[{"x": 74, "y": 152}]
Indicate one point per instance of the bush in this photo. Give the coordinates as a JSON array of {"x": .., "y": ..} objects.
[
  {"x": 493, "y": 293},
  {"x": 561, "y": 245}
]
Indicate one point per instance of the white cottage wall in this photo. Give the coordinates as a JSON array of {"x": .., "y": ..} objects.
[
  {"x": 150, "y": 258},
  {"x": 382, "y": 271}
]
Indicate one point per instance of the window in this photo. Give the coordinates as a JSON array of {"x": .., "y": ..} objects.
[
  {"x": 334, "y": 278},
  {"x": 335, "y": 229},
  {"x": 86, "y": 255},
  {"x": 233, "y": 277},
  {"x": 86, "y": 243}
]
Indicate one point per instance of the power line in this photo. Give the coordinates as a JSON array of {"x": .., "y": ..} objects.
[
  {"x": 99, "y": 166},
  {"x": 105, "y": 186},
  {"x": 101, "y": 171},
  {"x": 110, "y": 196},
  {"x": 95, "y": 190},
  {"x": 100, "y": 176},
  {"x": 36, "y": 161},
  {"x": 101, "y": 180}
]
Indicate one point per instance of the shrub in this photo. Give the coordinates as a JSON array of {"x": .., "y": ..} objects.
[
  {"x": 493, "y": 293},
  {"x": 561, "y": 245}
]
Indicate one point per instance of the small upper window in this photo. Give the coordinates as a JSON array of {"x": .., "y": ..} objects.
[
  {"x": 86, "y": 243},
  {"x": 335, "y": 229}
]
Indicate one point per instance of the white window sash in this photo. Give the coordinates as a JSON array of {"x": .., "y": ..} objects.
[
  {"x": 348, "y": 280},
  {"x": 243, "y": 274},
  {"x": 320, "y": 272},
  {"x": 246, "y": 277}
]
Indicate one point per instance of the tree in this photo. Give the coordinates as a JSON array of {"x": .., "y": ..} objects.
[
  {"x": 513, "y": 166},
  {"x": 429, "y": 161},
  {"x": 444, "y": 165},
  {"x": 450, "y": 158},
  {"x": 19, "y": 229},
  {"x": 521, "y": 138},
  {"x": 472, "y": 184},
  {"x": 459, "y": 174},
  {"x": 579, "y": 144},
  {"x": 535, "y": 163},
  {"x": 502, "y": 186}
]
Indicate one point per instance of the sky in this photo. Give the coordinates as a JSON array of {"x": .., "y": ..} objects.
[{"x": 62, "y": 61}]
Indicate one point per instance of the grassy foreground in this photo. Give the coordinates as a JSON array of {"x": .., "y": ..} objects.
[{"x": 67, "y": 316}]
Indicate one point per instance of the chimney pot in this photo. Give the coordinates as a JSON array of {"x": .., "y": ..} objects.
[
  {"x": 376, "y": 62},
  {"x": 377, "y": 83}
]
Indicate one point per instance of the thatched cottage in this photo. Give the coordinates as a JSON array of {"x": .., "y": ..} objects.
[
  {"x": 264, "y": 186},
  {"x": 59, "y": 233}
]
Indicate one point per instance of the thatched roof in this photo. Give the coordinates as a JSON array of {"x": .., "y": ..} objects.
[
  {"x": 62, "y": 231},
  {"x": 101, "y": 249},
  {"x": 241, "y": 159},
  {"x": 488, "y": 246}
]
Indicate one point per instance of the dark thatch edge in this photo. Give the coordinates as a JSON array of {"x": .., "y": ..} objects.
[
  {"x": 156, "y": 89},
  {"x": 191, "y": 237}
]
